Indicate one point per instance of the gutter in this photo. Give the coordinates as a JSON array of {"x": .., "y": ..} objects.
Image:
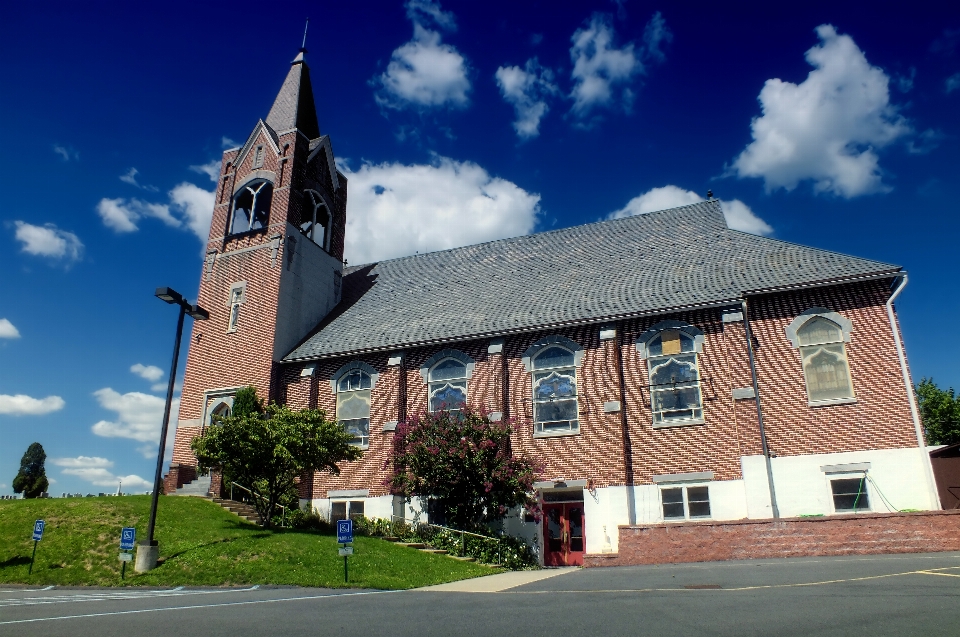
[
  {"x": 901, "y": 283},
  {"x": 756, "y": 393}
]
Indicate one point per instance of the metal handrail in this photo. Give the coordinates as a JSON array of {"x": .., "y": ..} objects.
[
  {"x": 463, "y": 534},
  {"x": 283, "y": 518}
]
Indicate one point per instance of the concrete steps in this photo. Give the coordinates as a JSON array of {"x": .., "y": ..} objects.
[
  {"x": 198, "y": 488},
  {"x": 241, "y": 509}
]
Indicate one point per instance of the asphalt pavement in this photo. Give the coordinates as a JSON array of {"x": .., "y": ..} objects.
[{"x": 877, "y": 596}]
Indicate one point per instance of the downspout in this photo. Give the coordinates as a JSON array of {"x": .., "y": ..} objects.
[
  {"x": 627, "y": 445},
  {"x": 756, "y": 394},
  {"x": 911, "y": 398}
]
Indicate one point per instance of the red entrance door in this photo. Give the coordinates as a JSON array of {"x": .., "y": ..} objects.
[{"x": 563, "y": 540}]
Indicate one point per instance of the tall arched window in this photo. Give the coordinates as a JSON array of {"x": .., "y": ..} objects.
[
  {"x": 555, "y": 391},
  {"x": 670, "y": 348},
  {"x": 316, "y": 220},
  {"x": 824, "y": 355},
  {"x": 353, "y": 405},
  {"x": 448, "y": 385},
  {"x": 251, "y": 207}
]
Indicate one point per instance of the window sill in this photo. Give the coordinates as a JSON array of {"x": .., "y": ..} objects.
[
  {"x": 679, "y": 423},
  {"x": 556, "y": 434},
  {"x": 834, "y": 401}
]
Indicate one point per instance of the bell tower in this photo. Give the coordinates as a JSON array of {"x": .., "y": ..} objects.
[{"x": 273, "y": 263}]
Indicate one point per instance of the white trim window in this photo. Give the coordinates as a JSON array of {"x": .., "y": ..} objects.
[
  {"x": 555, "y": 407},
  {"x": 251, "y": 207},
  {"x": 674, "y": 368},
  {"x": 346, "y": 510},
  {"x": 238, "y": 293},
  {"x": 850, "y": 494},
  {"x": 685, "y": 502},
  {"x": 220, "y": 411},
  {"x": 826, "y": 370},
  {"x": 448, "y": 385},
  {"x": 316, "y": 223},
  {"x": 353, "y": 405}
]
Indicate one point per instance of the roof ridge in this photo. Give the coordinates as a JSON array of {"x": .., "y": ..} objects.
[{"x": 806, "y": 247}]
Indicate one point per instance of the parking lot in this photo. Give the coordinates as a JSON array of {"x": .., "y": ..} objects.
[{"x": 866, "y": 595}]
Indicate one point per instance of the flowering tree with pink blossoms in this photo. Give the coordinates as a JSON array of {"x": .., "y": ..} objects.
[{"x": 462, "y": 462}]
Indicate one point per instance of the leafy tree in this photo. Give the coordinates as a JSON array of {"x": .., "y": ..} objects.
[
  {"x": 246, "y": 402},
  {"x": 939, "y": 412},
  {"x": 31, "y": 480},
  {"x": 463, "y": 462},
  {"x": 267, "y": 452}
]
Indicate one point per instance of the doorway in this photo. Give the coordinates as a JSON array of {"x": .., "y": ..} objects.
[{"x": 564, "y": 542}]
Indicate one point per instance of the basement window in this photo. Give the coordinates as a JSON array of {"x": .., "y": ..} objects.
[
  {"x": 346, "y": 510},
  {"x": 685, "y": 503},
  {"x": 850, "y": 495}
]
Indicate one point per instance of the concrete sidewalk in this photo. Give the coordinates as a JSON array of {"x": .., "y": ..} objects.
[{"x": 500, "y": 581}]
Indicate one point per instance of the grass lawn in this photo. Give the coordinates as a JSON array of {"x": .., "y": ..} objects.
[{"x": 200, "y": 544}]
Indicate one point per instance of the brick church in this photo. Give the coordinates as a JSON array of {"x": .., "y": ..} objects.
[{"x": 663, "y": 367}]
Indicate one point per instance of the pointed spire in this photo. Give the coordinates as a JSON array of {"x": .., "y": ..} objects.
[{"x": 294, "y": 106}]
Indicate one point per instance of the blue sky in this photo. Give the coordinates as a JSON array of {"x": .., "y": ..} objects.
[{"x": 829, "y": 124}]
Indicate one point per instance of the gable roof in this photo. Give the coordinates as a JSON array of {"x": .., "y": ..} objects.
[
  {"x": 678, "y": 258},
  {"x": 294, "y": 106}
]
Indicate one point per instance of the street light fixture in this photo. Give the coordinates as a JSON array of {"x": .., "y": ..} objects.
[{"x": 149, "y": 549}]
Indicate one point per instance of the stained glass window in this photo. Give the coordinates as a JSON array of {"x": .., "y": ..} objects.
[
  {"x": 674, "y": 378},
  {"x": 825, "y": 365},
  {"x": 448, "y": 385},
  {"x": 353, "y": 405},
  {"x": 555, "y": 392}
]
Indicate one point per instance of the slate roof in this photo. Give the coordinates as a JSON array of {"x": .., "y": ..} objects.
[
  {"x": 294, "y": 106},
  {"x": 675, "y": 258}
]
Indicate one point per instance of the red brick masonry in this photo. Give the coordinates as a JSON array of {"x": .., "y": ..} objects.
[{"x": 927, "y": 531}]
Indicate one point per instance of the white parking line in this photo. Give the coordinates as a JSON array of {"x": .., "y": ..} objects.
[
  {"x": 157, "y": 610},
  {"x": 112, "y": 595}
]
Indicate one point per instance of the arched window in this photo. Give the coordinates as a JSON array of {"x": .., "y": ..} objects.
[
  {"x": 448, "y": 385},
  {"x": 555, "y": 408},
  {"x": 671, "y": 348},
  {"x": 353, "y": 405},
  {"x": 251, "y": 207},
  {"x": 220, "y": 411},
  {"x": 824, "y": 356},
  {"x": 316, "y": 220}
]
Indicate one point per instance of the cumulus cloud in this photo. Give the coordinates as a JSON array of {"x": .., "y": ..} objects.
[
  {"x": 827, "y": 128},
  {"x": 48, "y": 241},
  {"x": 96, "y": 470},
  {"x": 23, "y": 405},
  {"x": 425, "y": 72},
  {"x": 130, "y": 177},
  {"x": 191, "y": 207},
  {"x": 527, "y": 89},
  {"x": 396, "y": 209},
  {"x": 211, "y": 169},
  {"x": 138, "y": 416},
  {"x": 739, "y": 216},
  {"x": 8, "y": 329},
  {"x": 147, "y": 372},
  {"x": 66, "y": 153}
]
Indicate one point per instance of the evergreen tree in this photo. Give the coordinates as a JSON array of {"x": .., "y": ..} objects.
[{"x": 31, "y": 481}]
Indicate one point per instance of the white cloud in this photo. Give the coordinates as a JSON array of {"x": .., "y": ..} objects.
[
  {"x": 48, "y": 241},
  {"x": 195, "y": 206},
  {"x": 147, "y": 372},
  {"x": 23, "y": 405},
  {"x": 739, "y": 216},
  {"x": 95, "y": 470},
  {"x": 654, "y": 35},
  {"x": 527, "y": 89},
  {"x": 952, "y": 83},
  {"x": 131, "y": 178},
  {"x": 396, "y": 209},
  {"x": 192, "y": 205},
  {"x": 226, "y": 143},
  {"x": 424, "y": 72},
  {"x": 601, "y": 71},
  {"x": 66, "y": 153},
  {"x": 177, "y": 386},
  {"x": 827, "y": 128},
  {"x": 211, "y": 169},
  {"x": 8, "y": 329},
  {"x": 138, "y": 415}
]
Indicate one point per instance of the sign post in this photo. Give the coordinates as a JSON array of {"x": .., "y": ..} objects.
[
  {"x": 37, "y": 536},
  {"x": 128, "y": 538},
  {"x": 345, "y": 537}
]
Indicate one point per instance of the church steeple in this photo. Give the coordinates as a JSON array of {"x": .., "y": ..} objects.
[{"x": 294, "y": 106}]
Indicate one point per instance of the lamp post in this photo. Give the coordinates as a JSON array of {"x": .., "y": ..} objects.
[{"x": 149, "y": 549}]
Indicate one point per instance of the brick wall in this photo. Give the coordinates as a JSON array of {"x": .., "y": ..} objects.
[{"x": 794, "y": 537}]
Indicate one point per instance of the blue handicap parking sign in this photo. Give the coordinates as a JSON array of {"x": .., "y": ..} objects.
[
  {"x": 128, "y": 536},
  {"x": 38, "y": 530},
  {"x": 344, "y": 531}
]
